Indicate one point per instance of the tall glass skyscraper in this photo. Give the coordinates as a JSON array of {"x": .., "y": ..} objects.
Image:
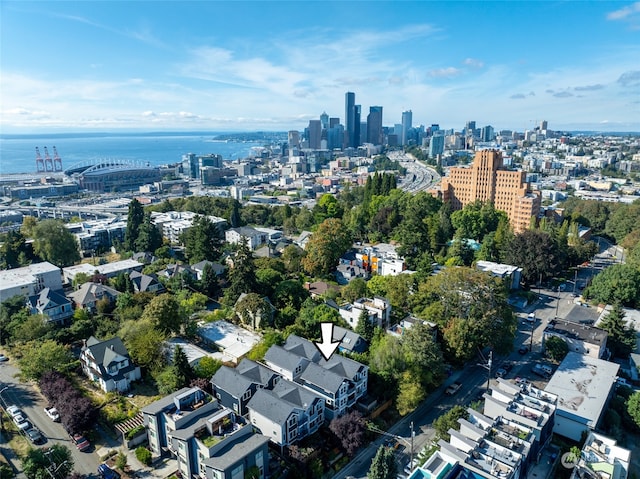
[
  {"x": 374, "y": 125},
  {"x": 407, "y": 118},
  {"x": 352, "y": 120}
]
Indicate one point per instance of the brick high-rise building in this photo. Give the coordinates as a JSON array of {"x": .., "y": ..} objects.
[{"x": 488, "y": 180}]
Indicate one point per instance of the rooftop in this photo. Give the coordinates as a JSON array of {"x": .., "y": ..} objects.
[
  {"x": 582, "y": 384},
  {"x": 583, "y": 332},
  {"x": 26, "y": 275}
]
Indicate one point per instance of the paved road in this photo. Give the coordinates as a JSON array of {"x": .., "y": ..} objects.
[
  {"x": 26, "y": 397},
  {"x": 419, "y": 177}
]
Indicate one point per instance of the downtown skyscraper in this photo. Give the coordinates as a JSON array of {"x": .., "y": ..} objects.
[
  {"x": 374, "y": 125},
  {"x": 407, "y": 118},
  {"x": 352, "y": 120}
]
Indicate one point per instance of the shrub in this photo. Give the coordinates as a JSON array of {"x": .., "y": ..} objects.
[
  {"x": 134, "y": 432},
  {"x": 121, "y": 461},
  {"x": 143, "y": 455}
]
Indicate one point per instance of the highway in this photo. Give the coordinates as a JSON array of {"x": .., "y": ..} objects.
[{"x": 419, "y": 177}]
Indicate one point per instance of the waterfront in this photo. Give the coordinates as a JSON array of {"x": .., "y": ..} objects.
[{"x": 18, "y": 154}]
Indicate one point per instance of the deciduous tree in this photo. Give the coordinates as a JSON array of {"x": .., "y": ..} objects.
[
  {"x": 350, "y": 430},
  {"x": 619, "y": 283},
  {"x": 329, "y": 242},
  {"x": 165, "y": 313},
  {"x": 556, "y": 348},
  {"x": 449, "y": 420},
  {"x": 53, "y": 242},
  {"x": 38, "y": 465},
  {"x": 536, "y": 253},
  {"x": 39, "y": 357}
]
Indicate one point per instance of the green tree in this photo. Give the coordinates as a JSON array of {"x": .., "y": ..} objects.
[
  {"x": 253, "y": 311},
  {"x": 53, "y": 242},
  {"x": 556, "y": 348},
  {"x": 39, "y": 357},
  {"x": 471, "y": 309},
  {"x": 423, "y": 355},
  {"x": 28, "y": 224},
  {"x": 242, "y": 276},
  {"x": 292, "y": 256},
  {"x": 144, "y": 342},
  {"x": 387, "y": 357},
  {"x": 12, "y": 250},
  {"x": 268, "y": 279},
  {"x": 330, "y": 241},
  {"x": 410, "y": 393},
  {"x": 356, "y": 289},
  {"x": 449, "y": 420},
  {"x": 536, "y": 253},
  {"x": 476, "y": 220},
  {"x": 135, "y": 218},
  {"x": 183, "y": 369},
  {"x": 165, "y": 313},
  {"x": 383, "y": 465},
  {"x": 207, "y": 367},
  {"x": 633, "y": 407},
  {"x": 619, "y": 283},
  {"x": 36, "y": 326},
  {"x": 39, "y": 463},
  {"x": 365, "y": 327},
  {"x": 202, "y": 240},
  {"x": 149, "y": 236},
  {"x": 622, "y": 337},
  {"x": 209, "y": 284}
]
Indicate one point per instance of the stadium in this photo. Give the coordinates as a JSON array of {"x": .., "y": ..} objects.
[{"x": 107, "y": 176}]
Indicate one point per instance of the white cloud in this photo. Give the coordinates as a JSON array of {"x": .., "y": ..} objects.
[
  {"x": 624, "y": 12},
  {"x": 448, "y": 72},
  {"x": 473, "y": 63}
]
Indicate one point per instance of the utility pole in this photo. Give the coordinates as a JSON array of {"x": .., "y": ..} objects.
[
  {"x": 487, "y": 366},
  {"x": 411, "y": 454}
]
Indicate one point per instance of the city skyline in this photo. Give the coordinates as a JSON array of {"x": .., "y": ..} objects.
[{"x": 242, "y": 66}]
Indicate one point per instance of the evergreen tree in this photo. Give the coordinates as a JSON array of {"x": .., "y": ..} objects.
[
  {"x": 383, "y": 465},
  {"x": 209, "y": 282},
  {"x": 622, "y": 338},
  {"x": 242, "y": 277},
  {"x": 183, "y": 369},
  {"x": 202, "y": 240},
  {"x": 12, "y": 250},
  {"x": 365, "y": 328},
  {"x": 149, "y": 236},
  {"x": 134, "y": 219},
  {"x": 233, "y": 214}
]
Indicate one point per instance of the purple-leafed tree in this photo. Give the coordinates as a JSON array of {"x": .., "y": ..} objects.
[{"x": 349, "y": 429}]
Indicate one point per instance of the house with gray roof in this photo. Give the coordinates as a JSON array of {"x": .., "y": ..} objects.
[
  {"x": 55, "y": 306},
  {"x": 145, "y": 283},
  {"x": 286, "y": 414},
  {"x": 217, "y": 268},
  {"x": 350, "y": 341},
  {"x": 340, "y": 381},
  {"x": 207, "y": 439},
  {"x": 89, "y": 293},
  {"x": 234, "y": 387},
  {"x": 108, "y": 364}
]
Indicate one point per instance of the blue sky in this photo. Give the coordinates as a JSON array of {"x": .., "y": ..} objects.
[{"x": 236, "y": 66}]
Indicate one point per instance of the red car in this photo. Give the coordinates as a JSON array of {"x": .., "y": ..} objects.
[{"x": 81, "y": 442}]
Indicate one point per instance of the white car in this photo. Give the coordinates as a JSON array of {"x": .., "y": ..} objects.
[
  {"x": 14, "y": 411},
  {"x": 52, "y": 413}
]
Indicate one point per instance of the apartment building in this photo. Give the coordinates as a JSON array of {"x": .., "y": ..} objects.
[
  {"x": 29, "y": 280},
  {"x": 488, "y": 180}
]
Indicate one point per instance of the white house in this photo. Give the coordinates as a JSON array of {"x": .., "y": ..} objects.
[
  {"x": 252, "y": 236},
  {"x": 108, "y": 364},
  {"x": 378, "y": 311}
]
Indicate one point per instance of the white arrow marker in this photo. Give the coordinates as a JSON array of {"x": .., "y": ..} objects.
[{"x": 327, "y": 347}]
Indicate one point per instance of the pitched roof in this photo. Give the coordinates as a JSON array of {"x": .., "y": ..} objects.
[
  {"x": 47, "y": 299},
  {"x": 91, "y": 292},
  {"x": 302, "y": 347},
  {"x": 323, "y": 378},
  {"x": 282, "y": 358},
  {"x": 268, "y": 404},
  {"x": 231, "y": 381},
  {"x": 295, "y": 394},
  {"x": 106, "y": 352},
  {"x": 256, "y": 372},
  {"x": 142, "y": 282},
  {"x": 345, "y": 367},
  {"x": 235, "y": 449}
]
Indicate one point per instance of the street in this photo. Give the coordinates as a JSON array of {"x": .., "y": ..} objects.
[{"x": 26, "y": 397}]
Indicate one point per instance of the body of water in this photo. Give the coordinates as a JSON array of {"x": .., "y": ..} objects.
[{"x": 18, "y": 153}]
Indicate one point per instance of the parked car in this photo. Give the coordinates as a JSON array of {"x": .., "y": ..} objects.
[
  {"x": 521, "y": 381},
  {"x": 14, "y": 411},
  {"x": 52, "y": 413},
  {"x": 35, "y": 436},
  {"x": 107, "y": 473},
  {"x": 22, "y": 423},
  {"x": 500, "y": 373},
  {"x": 3, "y": 358},
  {"x": 523, "y": 350},
  {"x": 531, "y": 317},
  {"x": 81, "y": 442}
]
